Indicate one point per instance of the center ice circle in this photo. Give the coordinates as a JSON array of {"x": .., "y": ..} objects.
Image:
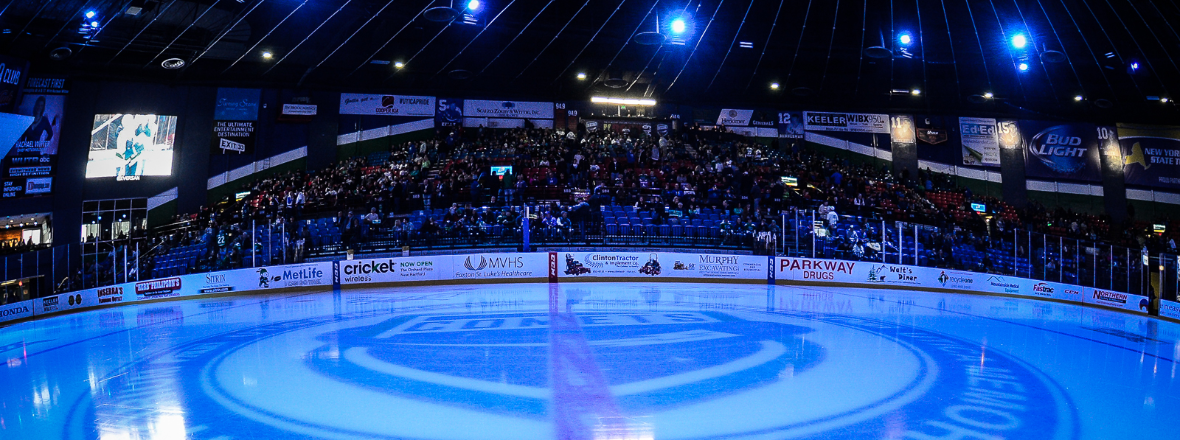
[{"x": 679, "y": 372}]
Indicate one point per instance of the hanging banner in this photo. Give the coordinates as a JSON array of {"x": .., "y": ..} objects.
[
  {"x": 388, "y": 105},
  {"x": 790, "y": 125},
  {"x": 1151, "y": 155},
  {"x": 235, "y": 118},
  {"x": 846, "y": 122},
  {"x": 901, "y": 132},
  {"x": 233, "y": 137},
  {"x": 12, "y": 76},
  {"x": 981, "y": 145},
  {"x": 449, "y": 114},
  {"x": 237, "y": 104},
  {"x": 31, "y": 162},
  {"x": 37, "y": 146},
  {"x": 734, "y": 117},
  {"x": 1061, "y": 151},
  {"x": 507, "y": 109}
]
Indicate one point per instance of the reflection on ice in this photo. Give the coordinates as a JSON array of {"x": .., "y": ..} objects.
[{"x": 639, "y": 361}]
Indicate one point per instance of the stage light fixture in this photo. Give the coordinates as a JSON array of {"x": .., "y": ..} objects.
[
  {"x": 267, "y": 55},
  {"x": 399, "y": 65},
  {"x": 1078, "y": 98},
  {"x": 773, "y": 86},
  {"x": 916, "y": 92},
  {"x": 581, "y": 76},
  {"x": 94, "y": 24},
  {"x": 989, "y": 95},
  {"x": 91, "y": 14},
  {"x": 1164, "y": 100},
  {"x": 1019, "y": 41},
  {"x": 905, "y": 39},
  {"x": 1023, "y": 67},
  {"x": 679, "y": 26},
  {"x": 473, "y": 5}
]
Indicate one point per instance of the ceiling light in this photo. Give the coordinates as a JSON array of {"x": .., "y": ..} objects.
[
  {"x": 679, "y": 26},
  {"x": 989, "y": 95},
  {"x": 1023, "y": 67},
  {"x": 1077, "y": 98},
  {"x": 916, "y": 92},
  {"x": 267, "y": 55},
  {"x": 94, "y": 24},
  {"x": 581, "y": 76},
  {"x": 473, "y": 5},
  {"x": 622, "y": 101},
  {"x": 1134, "y": 65},
  {"x": 1019, "y": 41},
  {"x": 905, "y": 39},
  {"x": 773, "y": 86},
  {"x": 91, "y": 14},
  {"x": 1164, "y": 100},
  {"x": 399, "y": 65}
]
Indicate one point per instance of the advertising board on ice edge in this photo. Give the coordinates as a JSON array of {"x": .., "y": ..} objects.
[
  {"x": 807, "y": 271},
  {"x": 252, "y": 280},
  {"x": 581, "y": 266}
]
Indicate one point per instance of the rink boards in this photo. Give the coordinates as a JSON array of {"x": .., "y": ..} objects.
[{"x": 564, "y": 267}]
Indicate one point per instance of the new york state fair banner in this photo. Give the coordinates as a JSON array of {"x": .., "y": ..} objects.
[{"x": 1151, "y": 155}]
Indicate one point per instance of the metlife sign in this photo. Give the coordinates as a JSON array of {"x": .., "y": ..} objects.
[{"x": 846, "y": 122}]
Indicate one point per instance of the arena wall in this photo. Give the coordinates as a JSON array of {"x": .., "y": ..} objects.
[{"x": 573, "y": 267}]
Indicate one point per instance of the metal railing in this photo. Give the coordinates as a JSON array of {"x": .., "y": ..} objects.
[{"x": 797, "y": 233}]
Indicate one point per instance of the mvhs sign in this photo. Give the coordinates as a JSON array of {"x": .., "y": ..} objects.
[{"x": 228, "y": 145}]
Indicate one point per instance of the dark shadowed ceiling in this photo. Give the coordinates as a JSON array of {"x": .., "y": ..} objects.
[{"x": 837, "y": 54}]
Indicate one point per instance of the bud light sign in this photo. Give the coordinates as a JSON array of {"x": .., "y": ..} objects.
[{"x": 1068, "y": 151}]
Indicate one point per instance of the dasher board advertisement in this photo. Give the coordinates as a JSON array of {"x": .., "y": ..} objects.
[{"x": 660, "y": 265}]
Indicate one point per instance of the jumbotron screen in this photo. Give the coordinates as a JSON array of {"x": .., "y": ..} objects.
[{"x": 127, "y": 147}]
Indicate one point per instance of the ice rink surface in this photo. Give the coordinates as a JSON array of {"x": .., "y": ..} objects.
[{"x": 592, "y": 361}]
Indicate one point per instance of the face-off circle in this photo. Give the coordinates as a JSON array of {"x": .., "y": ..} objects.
[{"x": 672, "y": 374}]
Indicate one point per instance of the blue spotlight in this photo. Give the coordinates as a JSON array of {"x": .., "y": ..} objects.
[
  {"x": 905, "y": 39},
  {"x": 1134, "y": 65},
  {"x": 1019, "y": 41},
  {"x": 679, "y": 26},
  {"x": 94, "y": 24},
  {"x": 1023, "y": 67},
  {"x": 90, "y": 14},
  {"x": 473, "y": 5}
]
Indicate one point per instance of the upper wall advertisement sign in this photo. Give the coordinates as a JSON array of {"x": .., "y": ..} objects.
[
  {"x": 12, "y": 75},
  {"x": 846, "y": 122},
  {"x": 507, "y": 109},
  {"x": 734, "y": 117},
  {"x": 386, "y": 105},
  {"x": 1151, "y": 155},
  {"x": 1061, "y": 151},
  {"x": 981, "y": 144}
]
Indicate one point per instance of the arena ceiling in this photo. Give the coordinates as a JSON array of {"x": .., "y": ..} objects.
[{"x": 1092, "y": 59}]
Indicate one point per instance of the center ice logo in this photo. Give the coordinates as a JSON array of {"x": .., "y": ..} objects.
[
  {"x": 470, "y": 355},
  {"x": 484, "y": 375}
]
